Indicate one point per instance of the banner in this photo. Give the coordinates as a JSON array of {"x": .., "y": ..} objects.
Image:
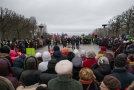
[{"x": 30, "y": 51}]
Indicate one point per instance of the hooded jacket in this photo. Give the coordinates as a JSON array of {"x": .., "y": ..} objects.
[
  {"x": 30, "y": 66},
  {"x": 101, "y": 72},
  {"x": 5, "y": 70},
  {"x": 18, "y": 67},
  {"x": 64, "y": 83},
  {"x": 5, "y": 84},
  {"x": 58, "y": 56},
  {"x": 46, "y": 58}
]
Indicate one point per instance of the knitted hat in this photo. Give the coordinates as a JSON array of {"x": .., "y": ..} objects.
[
  {"x": 76, "y": 52},
  {"x": 86, "y": 74},
  {"x": 103, "y": 48},
  {"x": 120, "y": 60},
  {"x": 111, "y": 82},
  {"x": 77, "y": 61},
  {"x": 38, "y": 54},
  {"x": 64, "y": 67},
  {"x": 83, "y": 53},
  {"x": 103, "y": 60},
  {"x": 91, "y": 54},
  {"x": 56, "y": 48},
  {"x": 51, "y": 64}
]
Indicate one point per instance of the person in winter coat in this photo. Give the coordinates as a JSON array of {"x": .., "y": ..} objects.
[
  {"x": 12, "y": 55},
  {"x": 77, "y": 43},
  {"x": 50, "y": 73},
  {"x": 77, "y": 65},
  {"x": 110, "y": 83},
  {"x": 64, "y": 80},
  {"x": 90, "y": 59},
  {"x": 121, "y": 73},
  {"x": 70, "y": 56},
  {"x": 5, "y": 84},
  {"x": 5, "y": 70},
  {"x": 83, "y": 55},
  {"x": 18, "y": 67},
  {"x": 88, "y": 79},
  {"x": 102, "y": 52},
  {"x": 64, "y": 42},
  {"x": 31, "y": 75},
  {"x": 46, "y": 58},
  {"x": 5, "y": 50},
  {"x": 101, "y": 68},
  {"x": 73, "y": 42},
  {"x": 130, "y": 49},
  {"x": 39, "y": 57}
]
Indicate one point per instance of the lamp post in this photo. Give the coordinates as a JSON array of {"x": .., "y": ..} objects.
[
  {"x": 41, "y": 26},
  {"x": 104, "y": 25}
]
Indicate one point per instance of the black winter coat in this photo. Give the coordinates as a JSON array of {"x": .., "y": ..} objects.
[
  {"x": 58, "y": 56},
  {"x": 101, "y": 72},
  {"x": 76, "y": 72}
]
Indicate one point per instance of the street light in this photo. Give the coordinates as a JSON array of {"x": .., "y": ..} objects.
[
  {"x": 41, "y": 26},
  {"x": 104, "y": 25}
]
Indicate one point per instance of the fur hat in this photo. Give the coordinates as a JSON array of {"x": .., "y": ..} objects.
[
  {"x": 64, "y": 67},
  {"x": 83, "y": 53},
  {"x": 56, "y": 48},
  {"x": 111, "y": 82},
  {"x": 38, "y": 54},
  {"x": 103, "y": 60},
  {"x": 91, "y": 54},
  {"x": 120, "y": 60},
  {"x": 77, "y": 61},
  {"x": 86, "y": 74},
  {"x": 103, "y": 48}
]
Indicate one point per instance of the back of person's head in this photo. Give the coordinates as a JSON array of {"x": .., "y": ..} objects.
[
  {"x": 5, "y": 49},
  {"x": 103, "y": 48},
  {"x": 76, "y": 52},
  {"x": 91, "y": 54},
  {"x": 86, "y": 74},
  {"x": 70, "y": 56},
  {"x": 110, "y": 83},
  {"x": 120, "y": 60},
  {"x": 30, "y": 63},
  {"x": 77, "y": 62},
  {"x": 83, "y": 53},
  {"x": 42, "y": 88},
  {"x": 56, "y": 48},
  {"x": 103, "y": 60},
  {"x": 46, "y": 56},
  {"x": 38, "y": 54},
  {"x": 64, "y": 67},
  {"x": 131, "y": 87}
]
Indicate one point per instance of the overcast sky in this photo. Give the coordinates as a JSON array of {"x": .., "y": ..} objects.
[{"x": 69, "y": 16}]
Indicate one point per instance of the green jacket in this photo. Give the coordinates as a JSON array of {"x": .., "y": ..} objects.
[{"x": 64, "y": 83}]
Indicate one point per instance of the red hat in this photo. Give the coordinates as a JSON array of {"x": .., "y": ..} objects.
[{"x": 103, "y": 48}]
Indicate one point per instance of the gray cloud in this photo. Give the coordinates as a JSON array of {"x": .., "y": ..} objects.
[{"x": 69, "y": 16}]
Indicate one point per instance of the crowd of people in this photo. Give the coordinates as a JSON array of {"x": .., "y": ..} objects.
[{"x": 64, "y": 69}]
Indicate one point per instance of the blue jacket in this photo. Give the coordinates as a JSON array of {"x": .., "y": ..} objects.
[{"x": 123, "y": 76}]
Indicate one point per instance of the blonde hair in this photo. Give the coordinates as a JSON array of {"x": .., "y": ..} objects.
[
  {"x": 102, "y": 52},
  {"x": 86, "y": 74},
  {"x": 131, "y": 87}
]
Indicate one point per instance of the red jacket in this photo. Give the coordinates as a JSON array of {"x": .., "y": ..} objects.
[{"x": 89, "y": 62}]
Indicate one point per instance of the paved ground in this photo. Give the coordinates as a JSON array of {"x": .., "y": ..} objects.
[{"x": 87, "y": 47}]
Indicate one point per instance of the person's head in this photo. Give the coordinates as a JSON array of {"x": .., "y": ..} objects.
[
  {"x": 120, "y": 61},
  {"x": 77, "y": 62},
  {"x": 103, "y": 48},
  {"x": 91, "y": 54},
  {"x": 41, "y": 87},
  {"x": 46, "y": 56},
  {"x": 109, "y": 56},
  {"x": 70, "y": 56},
  {"x": 83, "y": 53},
  {"x": 5, "y": 49},
  {"x": 110, "y": 83},
  {"x": 131, "y": 87},
  {"x": 103, "y": 60},
  {"x": 76, "y": 52},
  {"x": 30, "y": 63},
  {"x": 56, "y": 48},
  {"x": 86, "y": 74},
  {"x": 38, "y": 54},
  {"x": 64, "y": 67}
]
